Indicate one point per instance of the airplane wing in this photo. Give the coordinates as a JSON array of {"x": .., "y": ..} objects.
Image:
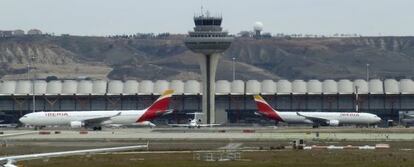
[
  {"x": 99, "y": 120},
  {"x": 409, "y": 115},
  {"x": 179, "y": 125},
  {"x": 10, "y": 160},
  {"x": 17, "y": 134},
  {"x": 208, "y": 125},
  {"x": 314, "y": 119},
  {"x": 166, "y": 112}
]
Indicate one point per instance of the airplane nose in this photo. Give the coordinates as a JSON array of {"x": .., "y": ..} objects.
[{"x": 22, "y": 120}]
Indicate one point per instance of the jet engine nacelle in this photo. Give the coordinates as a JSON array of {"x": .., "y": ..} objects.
[
  {"x": 333, "y": 122},
  {"x": 76, "y": 124}
]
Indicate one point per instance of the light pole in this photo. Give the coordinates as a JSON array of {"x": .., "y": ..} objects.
[
  {"x": 234, "y": 68},
  {"x": 356, "y": 99},
  {"x": 367, "y": 65},
  {"x": 33, "y": 85},
  {"x": 28, "y": 71}
]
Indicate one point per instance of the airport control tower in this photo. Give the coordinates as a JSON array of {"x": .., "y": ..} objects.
[{"x": 210, "y": 41}]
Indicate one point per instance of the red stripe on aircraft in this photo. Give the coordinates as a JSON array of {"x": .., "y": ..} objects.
[
  {"x": 155, "y": 110},
  {"x": 268, "y": 111}
]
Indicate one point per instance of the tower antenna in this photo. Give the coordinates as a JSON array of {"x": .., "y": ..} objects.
[{"x": 202, "y": 8}]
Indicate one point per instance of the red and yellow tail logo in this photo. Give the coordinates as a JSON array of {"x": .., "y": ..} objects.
[
  {"x": 158, "y": 108},
  {"x": 265, "y": 109}
]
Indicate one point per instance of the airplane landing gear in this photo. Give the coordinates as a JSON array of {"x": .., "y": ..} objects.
[
  {"x": 39, "y": 127},
  {"x": 97, "y": 128}
]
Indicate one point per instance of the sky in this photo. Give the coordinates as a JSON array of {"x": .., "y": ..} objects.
[{"x": 110, "y": 17}]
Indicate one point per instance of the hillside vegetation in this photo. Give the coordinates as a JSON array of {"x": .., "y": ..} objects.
[{"x": 121, "y": 58}]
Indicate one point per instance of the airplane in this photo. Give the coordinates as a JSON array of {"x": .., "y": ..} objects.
[
  {"x": 10, "y": 161},
  {"x": 408, "y": 120},
  {"x": 9, "y": 125},
  {"x": 97, "y": 119},
  {"x": 409, "y": 115},
  {"x": 194, "y": 123},
  {"x": 315, "y": 118},
  {"x": 2, "y": 125}
]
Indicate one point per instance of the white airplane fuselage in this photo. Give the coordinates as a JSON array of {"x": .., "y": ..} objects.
[
  {"x": 341, "y": 117},
  {"x": 315, "y": 118},
  {"x": 96, "y": 119},
  {"x": 66, "y": 118},
  {"x": 193, "y": 123}
]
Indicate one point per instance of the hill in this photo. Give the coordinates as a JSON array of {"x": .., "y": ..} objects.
[{"x": 133, "y": 58}]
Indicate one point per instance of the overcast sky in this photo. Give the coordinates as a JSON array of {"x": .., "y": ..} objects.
[{"x": 108, "y": 17}]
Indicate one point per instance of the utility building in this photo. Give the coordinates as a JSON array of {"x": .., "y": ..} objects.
[{"x": 234, "y": 100}]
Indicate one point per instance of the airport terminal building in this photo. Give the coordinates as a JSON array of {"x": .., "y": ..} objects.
[{"x": 234, "y": 101}]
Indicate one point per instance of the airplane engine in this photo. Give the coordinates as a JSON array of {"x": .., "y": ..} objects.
[
  {"x": 199, "y": 120},
  {"x": 76, "y": 124},
  {"x": 333, "y": 122}
]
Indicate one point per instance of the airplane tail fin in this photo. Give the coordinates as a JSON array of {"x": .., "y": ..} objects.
[
  {"x": 265, "y": 109},
  {"x": 159, "y": 107}
]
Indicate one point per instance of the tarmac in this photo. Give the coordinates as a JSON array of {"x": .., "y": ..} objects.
[{"x": 247, "y": 134}]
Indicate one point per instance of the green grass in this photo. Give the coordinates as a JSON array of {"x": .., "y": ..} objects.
[
  {"x": 394, "y": 157},
  {"x": 286, "y": 158}
]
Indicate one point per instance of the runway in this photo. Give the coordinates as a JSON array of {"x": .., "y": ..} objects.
[{"x": 214, "y": 134}]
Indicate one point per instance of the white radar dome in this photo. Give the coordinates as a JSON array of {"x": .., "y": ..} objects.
[{"x": 258, "y": 26}]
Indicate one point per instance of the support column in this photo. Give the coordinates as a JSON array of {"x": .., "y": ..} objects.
[{"x": 208, "y": 66}]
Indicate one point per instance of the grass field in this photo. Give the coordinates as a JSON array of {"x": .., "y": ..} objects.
[
  {"x": 399, "y": 155},
  {"x": 288, "y": 158}
]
